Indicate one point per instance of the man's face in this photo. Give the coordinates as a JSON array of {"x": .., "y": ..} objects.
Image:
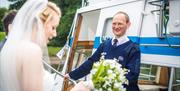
[{"x": 119, "y": 25}]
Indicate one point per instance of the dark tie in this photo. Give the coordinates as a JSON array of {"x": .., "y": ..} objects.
[{"x": 115, "y": 41}]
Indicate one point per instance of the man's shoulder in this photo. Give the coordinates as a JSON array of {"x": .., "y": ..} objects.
[
  {"x": 107, "y": 41},
  {"x": 133, "y": 45}
]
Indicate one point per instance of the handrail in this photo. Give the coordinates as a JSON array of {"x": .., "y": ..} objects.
[
  {"x": 155, "y": 3},
  {"x": 57, "y": 72},
  {"x": 161, "y": 45}
]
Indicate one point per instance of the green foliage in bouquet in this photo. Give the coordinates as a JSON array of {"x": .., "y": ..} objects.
[{"x": 108, "y": 75}]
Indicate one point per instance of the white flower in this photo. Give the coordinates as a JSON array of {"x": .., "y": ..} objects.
[
  {"x": 100, "y": 89},
  {"x": 96, "y": 64},
  {"x": 117, "y": 85},
  {"x": 108, "y": 75},
  {"x": 122, "y": 88},
  {"x": 109, "y": 89},
  {"x": 110, "y": 71},
  {"x": 106, "y": 84},
  {"x": 93, "y": 71},
  {"x": 113, "y": 75}
]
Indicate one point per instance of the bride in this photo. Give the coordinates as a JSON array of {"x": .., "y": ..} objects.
[{"x": 21, "y": 66}]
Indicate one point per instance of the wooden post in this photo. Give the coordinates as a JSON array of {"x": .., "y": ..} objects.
[
  {"x": 158, "y": 75},
  {"x": 164, "y": 76},
  {"x": 72, "y": 51}
]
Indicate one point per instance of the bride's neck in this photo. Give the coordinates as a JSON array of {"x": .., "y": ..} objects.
[{"x": 33, "y": 36}]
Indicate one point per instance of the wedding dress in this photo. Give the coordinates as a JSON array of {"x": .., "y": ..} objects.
[
  {"x": 48, "y": 81},
  {"x": 52, "y": 82},
  {"x": 26, "y": 19}
]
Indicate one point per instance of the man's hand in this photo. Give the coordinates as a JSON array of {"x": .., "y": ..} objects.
[{"x": 66, "y": 76}]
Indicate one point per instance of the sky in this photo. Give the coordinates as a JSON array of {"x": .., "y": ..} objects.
[{"x": 4, "y": 3}]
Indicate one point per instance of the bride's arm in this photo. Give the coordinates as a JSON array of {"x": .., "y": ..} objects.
[{"x": 32, "y": 68}]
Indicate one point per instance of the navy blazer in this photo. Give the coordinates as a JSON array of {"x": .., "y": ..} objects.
[{"x": 128, "y": 55}]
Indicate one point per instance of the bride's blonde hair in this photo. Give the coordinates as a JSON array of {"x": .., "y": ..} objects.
[{"x": 50, "y": 10}]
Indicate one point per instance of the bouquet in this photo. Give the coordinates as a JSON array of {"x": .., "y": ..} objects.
[{"x": 108, "y": 75}]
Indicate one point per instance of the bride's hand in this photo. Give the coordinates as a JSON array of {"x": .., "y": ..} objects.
[
  {"x": 66, "y": 76},
  {"x": 81, "y": 86}
]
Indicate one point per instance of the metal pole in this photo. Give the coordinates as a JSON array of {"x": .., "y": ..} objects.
[
  {"x": 161, "y": 21},
  {"x": 82, "y": 3},
  {"x": 57, "y": 72},
  {"x": 171, "y": 79},
  {"x": 141, "y": 22}
]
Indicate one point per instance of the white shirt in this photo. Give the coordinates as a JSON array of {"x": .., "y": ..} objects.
[{"x": 121, "y": 40}]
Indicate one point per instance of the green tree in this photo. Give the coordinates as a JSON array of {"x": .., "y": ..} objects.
[
  {"x": 2, "y": 13},
  {"x": 68, "y": 8},
  {"x": 16, "y": 4}
]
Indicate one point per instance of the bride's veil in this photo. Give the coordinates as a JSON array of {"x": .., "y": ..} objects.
[{"x": 26, "y": 19}]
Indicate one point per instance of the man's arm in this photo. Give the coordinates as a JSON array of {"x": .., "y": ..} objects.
[
  {"x": 133, "y": 65},
  {"x": 86, "y": 67}
]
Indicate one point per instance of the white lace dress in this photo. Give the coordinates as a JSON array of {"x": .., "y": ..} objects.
[
  {"x": 51, "y": 84},
  {"x": 48, "y": 81}
]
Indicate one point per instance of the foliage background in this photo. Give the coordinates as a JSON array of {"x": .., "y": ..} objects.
[
  {"x": 68, "y": 8},
  {"x": 2, "y": 13},
  {"x": 2, "y": 35}
]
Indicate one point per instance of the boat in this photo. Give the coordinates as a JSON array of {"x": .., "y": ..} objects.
[{"x": 155, "y": 27}]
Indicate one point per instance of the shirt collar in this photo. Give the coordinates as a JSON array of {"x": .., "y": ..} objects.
[{"x": 121, "y": 40}]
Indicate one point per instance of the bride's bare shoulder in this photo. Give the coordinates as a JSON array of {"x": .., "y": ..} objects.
[
  {"x": 28, "y": 54},
  {"x": 29, "y": 48}
]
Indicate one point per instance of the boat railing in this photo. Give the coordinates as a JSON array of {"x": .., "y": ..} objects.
[{"x": 57, "y": 72}]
